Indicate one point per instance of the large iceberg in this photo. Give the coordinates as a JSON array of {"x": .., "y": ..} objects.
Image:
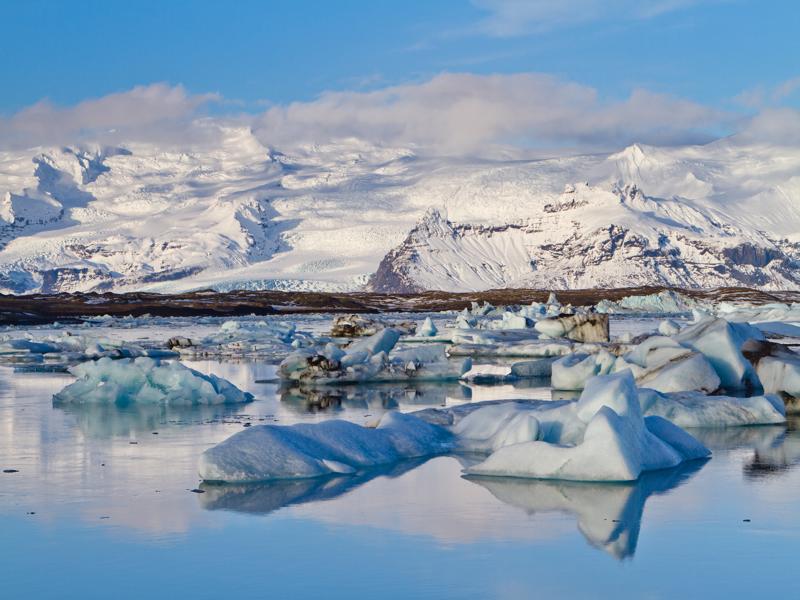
[
  {"x": 145, "y": 380},
  {"x": 602, "y": 437}
]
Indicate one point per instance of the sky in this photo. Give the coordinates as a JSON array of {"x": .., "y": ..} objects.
[{"x": 454, "y": 76}]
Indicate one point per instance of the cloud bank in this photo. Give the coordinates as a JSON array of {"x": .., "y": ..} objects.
[
  {"x": 154, "y": 112},
  {"x": 453, "y": 114}
]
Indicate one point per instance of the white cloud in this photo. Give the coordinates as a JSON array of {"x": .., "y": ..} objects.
[
  {"x": 780, "y": 126},
  {"x": 464, "y": 113},
  {"x": 453, "y": 114},
  {"x": 156, "y": 110},
  {"x": 762, "y": 96},
  {"x": 507, "y": 18}
]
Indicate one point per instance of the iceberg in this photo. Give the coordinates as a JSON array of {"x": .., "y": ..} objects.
[
  {"x": 721, "y": 343},
  {"x": 267, "y": 452},
  {"x": 145, "y": 380},
  {"x": 692, "y": 409},
  {"x": 581, "y": 327},
  {"x": 427, "y": 329},
  {"x": 615, "y": 443},
  {"x": 601, "y": 437}
]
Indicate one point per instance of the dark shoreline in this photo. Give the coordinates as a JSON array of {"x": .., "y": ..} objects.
[{"x": 41, "y": 308}]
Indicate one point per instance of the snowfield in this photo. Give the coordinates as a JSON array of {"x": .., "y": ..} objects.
[{"x": 345, "y": 216}]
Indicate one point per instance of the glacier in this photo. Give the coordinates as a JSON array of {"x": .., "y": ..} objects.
[{"x": 349, "y": 215}]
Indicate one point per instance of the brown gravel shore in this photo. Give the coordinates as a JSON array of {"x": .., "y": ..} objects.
[{"x": 41, "y": 308}]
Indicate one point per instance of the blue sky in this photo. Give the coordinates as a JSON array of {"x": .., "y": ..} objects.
[{"x": 726, "y": 55}]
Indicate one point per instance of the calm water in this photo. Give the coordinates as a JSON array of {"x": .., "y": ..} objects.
[{"x": 101, "y": 506}]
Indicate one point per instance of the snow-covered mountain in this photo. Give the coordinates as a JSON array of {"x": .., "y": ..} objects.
[{"x": 238, "y": 214}]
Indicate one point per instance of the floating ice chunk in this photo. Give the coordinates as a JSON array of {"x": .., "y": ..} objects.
[
  {"x": 511, "y": 320},
  {"x": 573, "y": 371},
  {"x": 583, "y": 327},
  {"x": 147, "y": 380},
  {"x": 721, "y": 343},
  {"x": 361, "y": 326},
  {"x": 488, "y": 373},
  {"x": 427, "y": 329},
  {"x": 617, "y": 443},
  {"x": 26, "y": 346},
  {"x": 692, "y": 409},
  {"x": 305, "y": 450},
  {"x": 538, "y": 368},
  {"x": 668, "y": 327},
  {"x": 383, "y": 341}
]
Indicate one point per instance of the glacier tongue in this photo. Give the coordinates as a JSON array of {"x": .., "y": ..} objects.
[{"x": 233, "y": 213}]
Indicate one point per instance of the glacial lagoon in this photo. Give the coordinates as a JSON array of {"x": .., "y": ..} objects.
[{"x": 95, "y": 495}]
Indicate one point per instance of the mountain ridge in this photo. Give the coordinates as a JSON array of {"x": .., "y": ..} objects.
[{"x": 353, "y": 216}]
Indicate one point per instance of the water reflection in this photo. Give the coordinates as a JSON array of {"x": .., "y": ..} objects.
[
  {"x": 776, "y": 456},
  {"x": 609, "y": 515},
  {"x": 376, "y": 398},
  {"x": 264, "y": 498},
  {"x": 110, "y": 420}
]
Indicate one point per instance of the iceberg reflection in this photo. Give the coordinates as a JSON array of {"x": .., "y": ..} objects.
[
  {"x": 111, "y": 420},
  {"x": 370, "y": 397},
  {"x": 609, "y": 515},
  {"x": 264, "y": 498},
  {"x": 776, "y": 456}
]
